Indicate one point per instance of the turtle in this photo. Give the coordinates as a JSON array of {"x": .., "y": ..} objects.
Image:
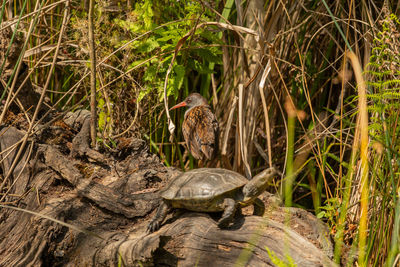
[{"x": 212, "y": 190}]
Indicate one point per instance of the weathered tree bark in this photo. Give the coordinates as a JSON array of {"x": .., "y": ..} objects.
[
  {"x": 194, "y": 239},
  {"x": 114, "y": 197}
]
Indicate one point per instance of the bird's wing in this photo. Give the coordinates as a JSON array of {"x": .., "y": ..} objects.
[
  {"x": 201, "y": 132},
  {"x": 210, "y": 130},
  {"x": 189, "y": 133}
]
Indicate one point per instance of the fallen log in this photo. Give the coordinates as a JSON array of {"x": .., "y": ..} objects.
[{"x": 108, "y": 202}]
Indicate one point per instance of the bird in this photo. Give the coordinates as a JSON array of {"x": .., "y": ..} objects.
[{"x": 200, "y": 127}]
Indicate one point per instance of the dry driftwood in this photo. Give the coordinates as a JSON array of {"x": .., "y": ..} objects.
[
  {"x": 195, "y": 240},
  {"x": 114, "y": 196}
]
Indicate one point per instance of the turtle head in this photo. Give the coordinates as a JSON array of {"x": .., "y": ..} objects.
[{"x": 258, "y": 184}]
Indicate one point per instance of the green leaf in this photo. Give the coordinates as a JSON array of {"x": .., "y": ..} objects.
[
  {"x": 150, "y": 73},
  {"x": 277, "y": 261},
  {"x": 208, "y": 55},
  {"x": 143, "y": 93},
  {"x": 321, "y": 214},
  {"x": 148, "y": 45},
  {"x": 138, "y": 62},
  {"x": 166, "y": 38},
  {"x": 199, "y": 67}
]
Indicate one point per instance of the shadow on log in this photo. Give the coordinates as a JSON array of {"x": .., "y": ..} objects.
[{"x": 114, "y": 194}]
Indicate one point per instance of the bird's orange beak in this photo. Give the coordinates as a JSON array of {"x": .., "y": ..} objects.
[{"x": 182, "y": 104}]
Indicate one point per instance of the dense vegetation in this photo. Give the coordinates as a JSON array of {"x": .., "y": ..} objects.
[{"x": 282, "y": 80}]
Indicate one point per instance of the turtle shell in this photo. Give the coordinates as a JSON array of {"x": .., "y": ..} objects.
[{"x": 203, "y": 189}]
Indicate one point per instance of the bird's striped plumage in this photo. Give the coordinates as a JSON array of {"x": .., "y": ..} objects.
[{"x": 200, "y": 127}]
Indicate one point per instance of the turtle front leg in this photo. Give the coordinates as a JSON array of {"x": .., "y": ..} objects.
[
  {"x": 162, "y": 212},
  {"x": 259, "y": 207},
  {"x": 229, "y": 211}
]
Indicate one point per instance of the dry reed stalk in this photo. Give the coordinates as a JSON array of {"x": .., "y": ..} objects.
[
  {"x": 36, "y": 112},
  {"x": 264, "y": 104},
  {"x": 93, "y": 106},
  {"x": 362, "y": 125},
  {"x": 11, "y": 89},
  {"x": 7, "y": 104},
  {"x": 242, "y": 135},
  {"x": 45, "y": 9},
  {"x": 227, "y": 127},
  {"x": 27, "y": 78}
]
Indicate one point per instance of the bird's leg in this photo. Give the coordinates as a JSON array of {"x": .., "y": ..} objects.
[
  {"x": 200, "y": 163},
  {"x": 185, "y": 158},
  {"x": 229, "y": 212},
  {"x": 259, "y": 207},
  {"x": 162, "y": 212}
]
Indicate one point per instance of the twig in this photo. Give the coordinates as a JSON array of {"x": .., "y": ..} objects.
[
  {"x": 264, "y": 104},
  {"x": 228, "y": 127},
  {"x": 14, "y": 95},
  {"x": 11, "y": 89},
  {"x": 8, "y": 103},
  {"x": 132, "y": 123},
  {"x": 43, "y": 93},
  {"x": 243, "y": 147},
  {"x": 45, "y": 8},
  {"x": 364, "y": 139},
  {"x": 93, "y": 117}
]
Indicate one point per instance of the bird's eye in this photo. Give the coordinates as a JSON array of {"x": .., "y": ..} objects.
[{"x": 189, "y": 100}]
